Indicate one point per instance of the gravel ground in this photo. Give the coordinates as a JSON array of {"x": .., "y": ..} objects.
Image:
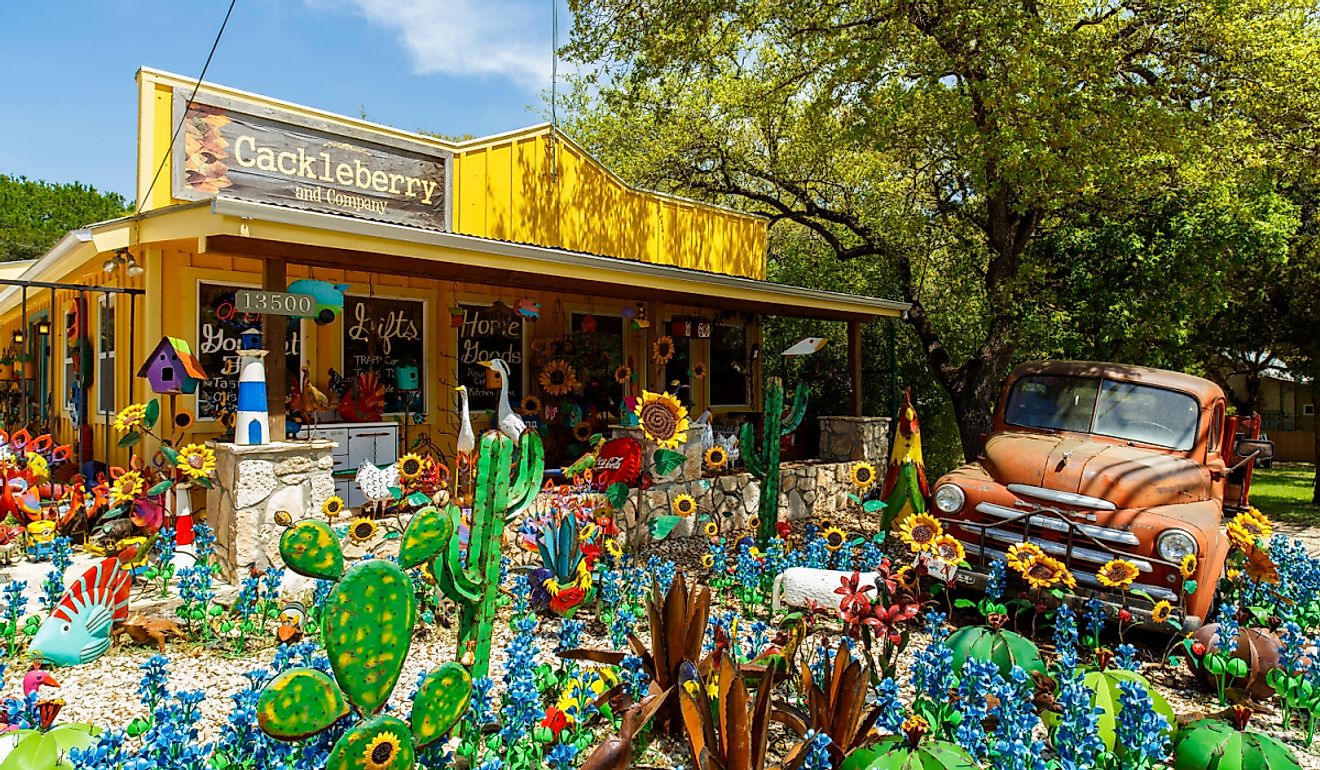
[{"x": 104, "y": 692}]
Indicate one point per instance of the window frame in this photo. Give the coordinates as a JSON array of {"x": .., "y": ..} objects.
[
  {"x": 106, "y": 301},
  {"x": 750, "y": 386}
]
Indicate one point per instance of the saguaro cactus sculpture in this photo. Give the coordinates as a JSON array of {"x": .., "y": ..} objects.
[
  {"x": 368, "y": 624},
  {"x": 472, "y": 579},
  {"x": 764, "y": 463}
]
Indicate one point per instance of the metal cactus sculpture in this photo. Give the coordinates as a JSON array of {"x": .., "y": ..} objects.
[
  {"x": 764, "y": 463},
  {"x": 367, "y": 626},
  {"x": 472, "y": 579}
]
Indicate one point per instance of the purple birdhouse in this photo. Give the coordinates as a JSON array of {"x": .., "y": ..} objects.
[{"x": 172, "y": 368}]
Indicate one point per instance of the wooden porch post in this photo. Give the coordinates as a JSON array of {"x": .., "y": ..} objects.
[
  {"x": 274, "y": 278},
  {"x": 855, "y": 366}
]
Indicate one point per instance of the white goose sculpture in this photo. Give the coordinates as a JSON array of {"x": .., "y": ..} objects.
[
  {"x": 510, "y": 423},
  {"x": 467, "y": 440}
]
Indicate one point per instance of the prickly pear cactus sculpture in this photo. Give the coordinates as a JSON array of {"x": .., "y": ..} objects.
[
  {"x": 472, "y": 579},
  {"x": 368, "y": 624},
  {"x": 764, "y": 463}
]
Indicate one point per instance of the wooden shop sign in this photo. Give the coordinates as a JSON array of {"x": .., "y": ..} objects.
[{"x": 239, "y": 149}]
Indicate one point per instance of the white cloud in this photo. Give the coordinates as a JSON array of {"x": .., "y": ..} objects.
[{"x": 491, "y": 38}]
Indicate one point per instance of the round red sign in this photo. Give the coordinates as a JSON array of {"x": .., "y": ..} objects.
[{"x": 620, "y": 460}]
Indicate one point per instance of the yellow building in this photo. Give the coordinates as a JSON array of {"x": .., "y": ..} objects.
[{"x": 518, "y": 246}]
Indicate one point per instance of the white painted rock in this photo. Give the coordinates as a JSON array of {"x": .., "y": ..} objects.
[{"x": 796, "y": 586}]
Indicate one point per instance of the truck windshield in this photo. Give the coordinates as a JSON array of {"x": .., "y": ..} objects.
[{"x": 1123, "y": 410}]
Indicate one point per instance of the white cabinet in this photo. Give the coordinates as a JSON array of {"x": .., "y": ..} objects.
[{"x": 356, "y": 442}]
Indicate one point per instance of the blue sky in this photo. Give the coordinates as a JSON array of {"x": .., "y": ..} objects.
[{"x": 453, "y": 66}]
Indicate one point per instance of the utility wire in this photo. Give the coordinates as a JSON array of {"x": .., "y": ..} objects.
[
  {"x": 554, "y": 61},
  {"x": 174, "y": 137}
]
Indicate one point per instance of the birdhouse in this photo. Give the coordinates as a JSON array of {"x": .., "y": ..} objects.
[{"x": 172, "y": 368}]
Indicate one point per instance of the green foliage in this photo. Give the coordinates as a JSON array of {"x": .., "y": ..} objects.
[
  {"x": 34, "y": 215},
  {"x": 951, "y": 154}
]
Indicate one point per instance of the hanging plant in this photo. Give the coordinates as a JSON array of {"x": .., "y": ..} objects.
[
  {"x": 662, "y": 350},
  {"x": 558, "y": 378}
]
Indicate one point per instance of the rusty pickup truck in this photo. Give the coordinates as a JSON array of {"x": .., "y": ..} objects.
[{"x": 1096, "y": 461}]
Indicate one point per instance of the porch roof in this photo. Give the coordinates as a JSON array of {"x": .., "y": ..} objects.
[{"x": 317, "y": 239}]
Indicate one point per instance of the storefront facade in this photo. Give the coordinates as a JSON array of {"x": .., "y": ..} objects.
[{"x": 427, "y": 256}]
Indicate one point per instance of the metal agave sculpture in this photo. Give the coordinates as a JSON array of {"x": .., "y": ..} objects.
[
  {"x": 367, "y": 627},
  {"x": 763, "y": 463}
]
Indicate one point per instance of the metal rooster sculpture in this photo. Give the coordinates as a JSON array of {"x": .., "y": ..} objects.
[{"x": 905, "y": 491}]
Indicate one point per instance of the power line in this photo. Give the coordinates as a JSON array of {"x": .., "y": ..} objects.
[{"x": 174, "y": 137}]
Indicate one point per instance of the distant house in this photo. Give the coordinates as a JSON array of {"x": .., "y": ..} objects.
[
  {"x": 172, "y": 367},
  {"x": 1287, "y": 411}
]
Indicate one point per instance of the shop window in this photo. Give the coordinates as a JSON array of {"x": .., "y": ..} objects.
[
  {"x": 486, "y": 332},
  {"x": 731, "y": 366},
  {"x": 678, "y": 371},
  {"x": 386, "y": 335},
  {"x": 105, "y": 356},
  {"x": 1308, "y": 409},
  {"x": 70, "y": 335},
  {"x": 596, "y": 345}
]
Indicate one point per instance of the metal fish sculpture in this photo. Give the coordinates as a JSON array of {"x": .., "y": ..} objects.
[{"x": 78, "y": 631}]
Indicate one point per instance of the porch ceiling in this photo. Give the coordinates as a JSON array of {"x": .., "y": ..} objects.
[{"x": 328, "y": 240}]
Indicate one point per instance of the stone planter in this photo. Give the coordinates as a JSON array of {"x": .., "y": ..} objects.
[
  {"x": 253, "y": 483},
  {"x": 845, "y": 439}
]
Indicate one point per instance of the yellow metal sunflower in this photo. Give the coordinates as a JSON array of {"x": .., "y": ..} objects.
[
  {"x": 862, "y": 475},
  {"x": 126, "y": 488},
  {"x": 716, "y": 458},
  {"x": 613, "y": 548},
  {"x": 1188, "y": 566},
  {"x": 708, "y": 561},
  {"x": 662, "y": 418},
  {"x": 1117, "y": 573},
  {"x": 582, "y": 431},
  {"x": 920, "y": 531},
  {"x": 362, "y": 529},
  {"x": 332, "y": 507},
  {"x": 1020, "y": 553},
  {"x": 196, "y": 461},
  {"x": 558, "y": 378},
  {"x": 753, "y": 521},
  {"x": 1161, "y": 612},
  {"x": 698, "y": 371},
  {"x": 712, "y": 529},
  {"x": 623, "y": 374},
  {"x": 381, "y": 752},
  {"x": 131, "y": 417},
  {"x": 410, "y": 466},
  {"x": 1046, "y": 572},
  {"x": 1248, "y": 527},
  {"x": 949, "y": 549},
  {"x": 662, "y": 350},
  {"x": 530, "y": 406},
  {"x": 684, "y": 505},
  {"x": 834, "y": 538},
  {"x": 905, "y": 576}
]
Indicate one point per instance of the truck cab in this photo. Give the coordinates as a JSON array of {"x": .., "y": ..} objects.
[{"x": 1096, "y": 461}]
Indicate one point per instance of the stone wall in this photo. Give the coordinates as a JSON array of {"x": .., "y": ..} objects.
[
  {"x": 854, "y": 438},
  {"x": 807, "y": 490},
  {"x": 252, "y": 484}
]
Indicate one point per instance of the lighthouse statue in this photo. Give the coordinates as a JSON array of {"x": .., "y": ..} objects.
[{"x": 251, "y": 422}]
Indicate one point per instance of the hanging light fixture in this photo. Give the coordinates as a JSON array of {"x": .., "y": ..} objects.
[
  {"x": 18, "y": 337},
  {"x": 43, "y": 327},
  {"x": 133, "y": 269},
  {"x": 122, "y": 257}
]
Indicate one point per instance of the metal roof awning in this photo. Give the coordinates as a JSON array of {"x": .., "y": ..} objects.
[{"x": 319, "y": 239}]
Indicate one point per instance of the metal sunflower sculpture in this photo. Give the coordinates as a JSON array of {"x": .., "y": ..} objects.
[
  {"x": 662, "y": 350},
  {"x": 663, "y": 419},
  {"x": 716, "y": 458},
  {"x": 558, "y": 378}
]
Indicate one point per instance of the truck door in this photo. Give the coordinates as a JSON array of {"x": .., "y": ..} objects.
[{"x": 1238, "y": 483}]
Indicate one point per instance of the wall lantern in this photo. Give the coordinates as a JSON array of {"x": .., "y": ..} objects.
[
  {"x": 43, "y": 327},
  {"x": 18, "y": 337}
]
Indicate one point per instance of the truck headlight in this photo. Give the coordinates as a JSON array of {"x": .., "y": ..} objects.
[
  {"x": 949, "y": 498},
  {"x": 1174, "y": 545}
]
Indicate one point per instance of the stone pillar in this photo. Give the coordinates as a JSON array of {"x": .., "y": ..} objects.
[
  {"x": 252, "y": 484},
  {"x": 854, "y": 438}
]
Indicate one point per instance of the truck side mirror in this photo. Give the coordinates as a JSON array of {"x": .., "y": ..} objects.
[{"x": 1256, "y": 449}]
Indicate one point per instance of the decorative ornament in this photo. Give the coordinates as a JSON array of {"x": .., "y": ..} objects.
[
  {"x": 589, "y": 324},
  {"x": 663, "y": 419},
  {"x": 662, "y": 350},
  {"x": 558, "y": 378},
  {"x": 623, "y": 374},
  {"x": 698, "y": 371}
]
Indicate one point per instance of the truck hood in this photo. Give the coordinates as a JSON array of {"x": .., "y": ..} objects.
[{"x": 1127, "y": 476}]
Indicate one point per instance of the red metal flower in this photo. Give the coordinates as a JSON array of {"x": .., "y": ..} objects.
[
  {"x": 1124, "y": 616},
  {"x": 855, "y": 603},
  {"x": 555, "y": 720},
  {"x": 784, "y": 529}
]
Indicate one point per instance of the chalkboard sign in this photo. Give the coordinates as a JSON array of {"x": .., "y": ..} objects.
[
  {"x": 380, "y": 333},
  {"x": 488, "y": 333},
  {"x": 218, "y": 325}
]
